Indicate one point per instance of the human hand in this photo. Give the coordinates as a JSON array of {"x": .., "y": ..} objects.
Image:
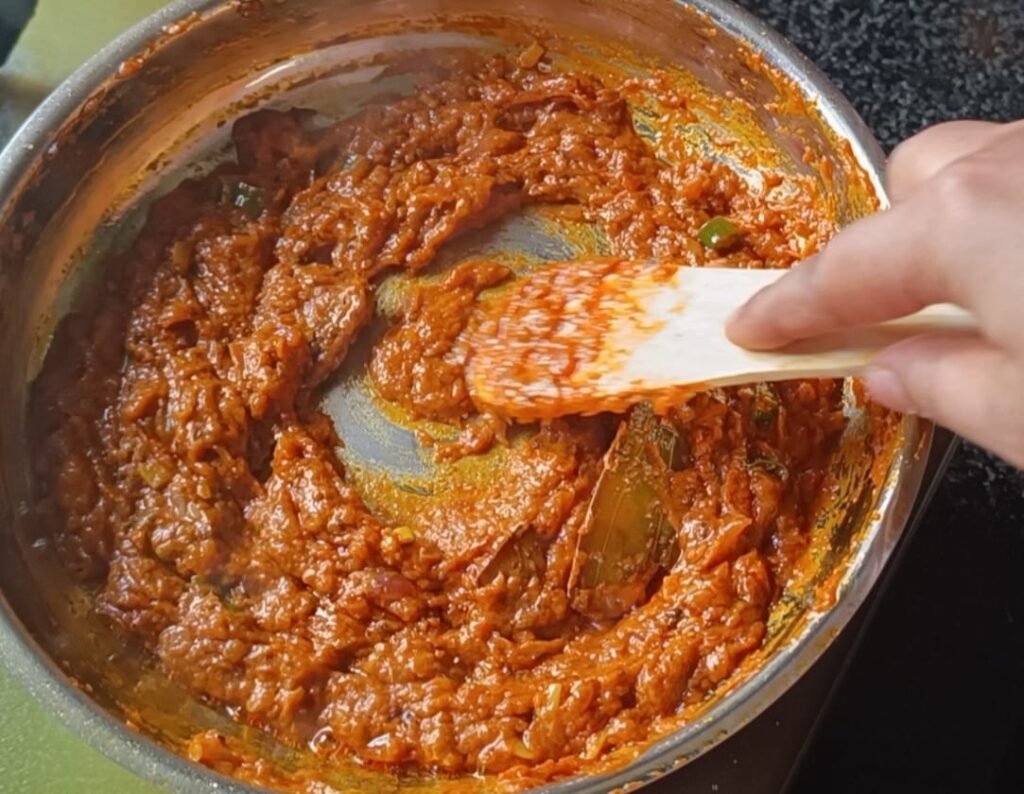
[{"x": 955, "y": 234}]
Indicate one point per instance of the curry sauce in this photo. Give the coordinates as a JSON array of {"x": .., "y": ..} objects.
[{"x": 196, "y": 483}]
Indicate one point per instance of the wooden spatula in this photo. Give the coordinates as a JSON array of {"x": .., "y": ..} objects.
[{"x": 600, "y": 335}]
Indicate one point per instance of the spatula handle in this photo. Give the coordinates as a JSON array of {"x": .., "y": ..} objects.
[
  {"x": 691, "y": 317},
  {"x": 848, "y": 351}
]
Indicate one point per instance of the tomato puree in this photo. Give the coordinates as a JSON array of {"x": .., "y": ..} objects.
[{"x": 196, "y": 484}]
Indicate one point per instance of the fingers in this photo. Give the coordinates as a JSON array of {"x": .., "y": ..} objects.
[
  {"x": 958, "y": 380},
  {"x": 920, "y": 158},
  {"x": 954, "y": 235},
  {"x": 872, "y": 271},
  {"x": 957, "y": 239}
]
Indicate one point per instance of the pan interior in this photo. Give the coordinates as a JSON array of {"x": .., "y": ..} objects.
[{"x": 750, "y": 117}]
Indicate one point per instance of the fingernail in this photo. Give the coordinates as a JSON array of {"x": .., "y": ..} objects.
[
  {"x": 736, "y": 315},
  {"x": 886, "y": 387},
  {"x": 735, "y": 330},
  {"x": 741, "y": 312}
]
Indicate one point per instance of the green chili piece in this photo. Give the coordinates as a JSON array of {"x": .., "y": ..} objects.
[
  {"x": 766, "y": 405},
  {"x": 249, "y": 199},
  {"x": 719, "y": 234}
]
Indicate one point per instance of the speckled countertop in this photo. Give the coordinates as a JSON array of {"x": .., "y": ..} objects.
[{"x": 934, "y": 700}]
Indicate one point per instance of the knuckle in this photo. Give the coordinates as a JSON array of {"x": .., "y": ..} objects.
[
  {"x": 917, "y": 159},
  {"x": 919, "y": 144},
  {"x": 962, "y": 187},
  {"x": 919, "y": 381},
  {"x": 905, "y": 162},
  {"x": 822, "y": 281},
  {"x": 817, "y": 276},
  {"x": 828, "y": 275}
]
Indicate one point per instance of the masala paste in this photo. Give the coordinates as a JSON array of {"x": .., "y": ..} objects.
[{"x": 197, "y": 484}]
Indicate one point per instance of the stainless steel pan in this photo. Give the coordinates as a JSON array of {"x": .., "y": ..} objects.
[{"x": 145, "y": 111}]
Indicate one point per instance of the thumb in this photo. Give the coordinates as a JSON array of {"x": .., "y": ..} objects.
[{"x": 959, "y": 380}]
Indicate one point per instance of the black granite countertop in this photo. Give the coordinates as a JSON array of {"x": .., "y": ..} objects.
[{"x": 934, "y": 700}]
